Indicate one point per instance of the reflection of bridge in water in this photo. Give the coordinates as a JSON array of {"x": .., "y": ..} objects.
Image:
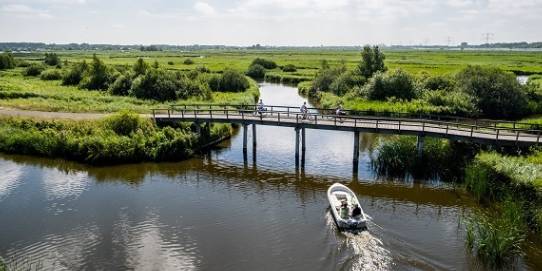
[{"x": 501, "y": 133}]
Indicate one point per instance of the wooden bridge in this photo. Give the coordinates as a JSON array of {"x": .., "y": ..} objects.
[{"x": 501, "y": 133}]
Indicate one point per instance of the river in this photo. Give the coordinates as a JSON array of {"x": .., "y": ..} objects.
[{"x": 218, "y": 212}]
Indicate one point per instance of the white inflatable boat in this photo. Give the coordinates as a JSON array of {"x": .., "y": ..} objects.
[{"x": 343, "y": 201}]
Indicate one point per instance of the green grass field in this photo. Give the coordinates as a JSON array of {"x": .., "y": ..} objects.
[{"x": 23, "y": 92}]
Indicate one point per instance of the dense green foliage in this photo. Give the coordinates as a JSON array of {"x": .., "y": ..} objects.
[
  {"x": 97, "y": 77},
  {"x": 188, "y": 61},
  {"x": 120, "y": 138},
  {"x": 256, "y": 71},
  {"x": 33, "y": 70},
  {"x": 440, "y": 158},
  {"x": 51, "y": 74},
  {"x": 74, "y": 75},
  {"x": 289, "y": 68},
  {"x": 496, "y": 93},
  {"x": 140, "y": 67},
  {"x": 372, "y": 61},
  {"x": 6, "y": 61},
  {"x": 497, "y": 238},
  {"x": 266, "y": 63},
  {"x": 229, "y": 80},
  {"x": 155, "y": 84},
  {"x": 398, "y": 84},
  {"x": 121, "y": 86},
  {"x": 52, "y": 59}
]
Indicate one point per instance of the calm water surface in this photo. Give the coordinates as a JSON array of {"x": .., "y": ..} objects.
[{"x": 216, "y": 212}]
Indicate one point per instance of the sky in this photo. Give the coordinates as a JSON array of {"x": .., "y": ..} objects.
[{"x": 271, "y": 22}]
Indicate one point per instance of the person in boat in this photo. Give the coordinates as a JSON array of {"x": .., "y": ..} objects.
[
  {"x": 260, "y": 107},
  {"x": 356, "y": 211},
  {"x": 304, "y": 110},
  {"x": 344, "y": 210}
]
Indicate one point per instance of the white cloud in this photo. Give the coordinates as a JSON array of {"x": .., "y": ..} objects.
[
  {"x": 204, "y": 9},
  {"x": 20, "y": 10}
]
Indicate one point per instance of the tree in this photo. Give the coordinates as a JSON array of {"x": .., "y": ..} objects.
[
  {"x": 97, "y": 75},
  {"x": 140, "y": 67},
  {"x": 74, "y": 76},
  {"x": 155, "y": 84},
  {"x": 497, "y": 93},
  {"x": 372, "y": 61},
  {"x": 121, "y": 86},
  {"x": 256, "y": 71},
  {"x": 6, "y": 61},
  {"x": 398, "y": 84},
  {"x": 52, "y": 59}
]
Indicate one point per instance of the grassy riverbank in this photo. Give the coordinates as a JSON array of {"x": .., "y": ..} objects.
[
  {"x": 121, "y": 138},
  {"x": 32, "y": 93}
]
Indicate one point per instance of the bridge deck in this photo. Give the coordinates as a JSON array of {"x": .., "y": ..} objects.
[{"x": 452, "y": 130}]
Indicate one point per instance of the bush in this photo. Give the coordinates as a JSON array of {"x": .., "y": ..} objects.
[
  {"x": 326, "y": 76},
  {"x": 51, "y": 74},
  {"x": 74, "y": 76},
  {"x": 155, "y": 84},
  {"x": 345, "y": 82},
  {"x": 497, "y": 93},
  {"x": 289, "y": 68},
  {"x": 256, "y": 71},
  {"x": 97, "y": 76},
  {"x": 123, "y": 123},
  {"x": 140, "y": 67},
  {"x": 6, "y": 61},
  {"x": 170, "y": 63},
  {"x": 34, "y": 70},
  {"x": 398, "y": 84},
  {"x": 268, "y": 64},
  {"x": 121, "y": 86},
  {"x": 455, "y": 102},
  {"x": 233, "y": 81},
  {"x": 188, "y": 61},
  {"x": 202, "y": 69},
  {"x": 193, "y": 88},
  {"x": 438, "y": 82},
  {"x": 52, "y": 59}
]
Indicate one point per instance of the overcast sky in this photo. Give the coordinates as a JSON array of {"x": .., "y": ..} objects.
[{"x": 270, "y": 22}]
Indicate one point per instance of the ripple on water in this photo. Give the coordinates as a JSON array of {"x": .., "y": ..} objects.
[
  {"x": 11, "y": 178},
  {"x": 64, "y": 185}
]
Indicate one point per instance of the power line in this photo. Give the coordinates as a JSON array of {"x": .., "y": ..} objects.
[{"x": 488, "y": 36}]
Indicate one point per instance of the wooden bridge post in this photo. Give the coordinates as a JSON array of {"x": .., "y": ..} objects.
[
  {"x": 419, "y": 145},
  {"x": 245, "y": 135},
  {"x": 297, "y": 145},
  {"x": 254, "y": 136},
  {"x": 303, "y": 140},
  {"x": 356, "y": 150}
]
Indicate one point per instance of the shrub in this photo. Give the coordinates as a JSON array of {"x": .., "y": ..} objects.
[
  {"x": 97, "y": 76},
  {"x": 497, "y": 93},
  {"x": 268, "y": 64},
  {"x": 170, "y": 63},
  {"x": 188, "y": 61},
  {"x": 52, "y": 59},
  {"x": 140, "y": 67},
  {"x": 74, "y": 76},
  {"x": 123, "y": 123},
  {"x": 233, "y": 81},
  {"x": 289, "y": 68},
  {"x": 6, "y": 61},
  {"x": 202, "y": 69},
  {"x": 326, "y": 76},
  {"x": 438, "y": 82},
  {"x": 345, "y": 82},
  {"x": 51, "y": 74},
  {"x": 193, "y": 88},
  {"x": 34, "y": 70},
  {"x": 155, "y": 84},
  {"x": 121, "y": 86},
  {"x": 455, "y": 102},
  {"x": 398, "y": 84},
  {"x": 256, "y": 71}
]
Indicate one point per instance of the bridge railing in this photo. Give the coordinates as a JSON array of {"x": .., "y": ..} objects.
[
  {"x": 330, "y": 111},
  {"x": 282, "y": 114}
]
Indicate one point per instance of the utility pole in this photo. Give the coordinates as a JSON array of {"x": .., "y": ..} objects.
[
  {"x": 448, "y": 41},
  {"x": 488, "y": 36}
]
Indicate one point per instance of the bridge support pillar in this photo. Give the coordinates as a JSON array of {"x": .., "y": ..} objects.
[
  {"x": 254, "y": 136},
  {"x": 419, "y": 145},
  {"x": 303, "y": 140},
  {"x": 245, "y": 140},
  {"x": 356, "y": 151},
  {"x": 297, "y": 145}
]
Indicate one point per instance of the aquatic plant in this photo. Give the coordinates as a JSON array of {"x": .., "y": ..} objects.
[{"x": 497, "y": 237}]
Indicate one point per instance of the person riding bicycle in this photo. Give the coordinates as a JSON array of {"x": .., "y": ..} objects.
[
  {"x": 260, "y": 108},
  {"x": 304, "y": 110}
]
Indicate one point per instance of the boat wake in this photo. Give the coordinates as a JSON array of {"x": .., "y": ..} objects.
[{"x": 360, "y": 250}]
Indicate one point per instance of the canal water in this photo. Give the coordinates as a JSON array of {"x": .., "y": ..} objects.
[{"x": 218, "y": 212}]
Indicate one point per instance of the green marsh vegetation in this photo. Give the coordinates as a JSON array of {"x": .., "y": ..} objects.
[
  {"x": 473, "y": 91},
  {"x": 121, "y": 138}
]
